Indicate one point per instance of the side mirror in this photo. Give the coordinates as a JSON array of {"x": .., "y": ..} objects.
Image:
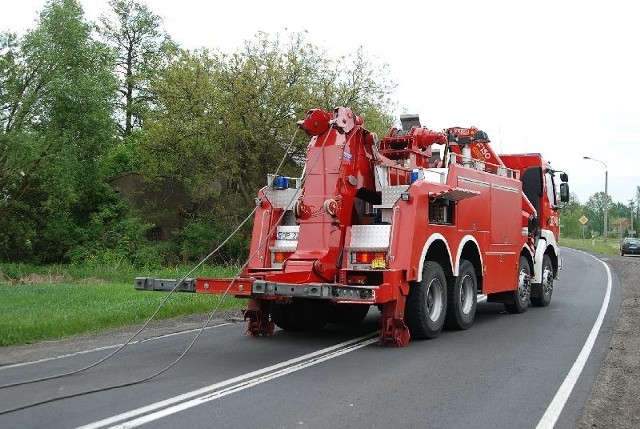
[
  {"x": 564, "y": 177},
  {"x": 564, "y": 192}
]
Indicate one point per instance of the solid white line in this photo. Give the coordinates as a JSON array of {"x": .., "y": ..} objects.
[
  {"x": 550, "y": 417},
  {"x": 98, "y": 349},
  {"x": 216, "y": 386},
  {"x": 233, "y": 389}
]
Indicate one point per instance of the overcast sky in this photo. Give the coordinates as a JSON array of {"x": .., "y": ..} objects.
[{"x": 555, "y": 77}]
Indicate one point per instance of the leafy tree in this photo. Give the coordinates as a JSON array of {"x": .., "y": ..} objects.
[
  {"x": 594, "y": 208},
  {"x": 221, "y": 122},
  {"x": 141, "y": 46},
  {"x": 230, "y": 118},
  {"x": 362, "y": 85},
  {"x": 57, "y": 124},
  {"x": 569, "y": 218}
]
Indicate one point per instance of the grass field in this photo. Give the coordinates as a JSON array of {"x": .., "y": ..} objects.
[
  {"x": 612, "y": 247},
  {"x": 45, "y": 303}
]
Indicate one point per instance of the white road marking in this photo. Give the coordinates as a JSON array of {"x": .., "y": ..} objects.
[
  {"x": 550, "y": 417},
  {"x": 231, "y": 385},
  {"x": 98, "y": 349}
]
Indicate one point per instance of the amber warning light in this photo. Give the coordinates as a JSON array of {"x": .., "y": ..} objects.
[{"x": 279, "y": 257}]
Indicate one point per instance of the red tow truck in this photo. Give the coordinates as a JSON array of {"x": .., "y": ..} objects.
[{"x": 392, "y": 223}]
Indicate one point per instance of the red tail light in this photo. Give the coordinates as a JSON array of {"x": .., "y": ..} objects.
[{"x": 367, "y": 257}]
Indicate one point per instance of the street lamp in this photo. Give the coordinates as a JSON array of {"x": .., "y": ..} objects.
[
  {"x": 633, "y": 231},
  {"x": 606, "y": 195}
]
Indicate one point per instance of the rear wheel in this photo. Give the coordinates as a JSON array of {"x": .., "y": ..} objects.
[
  {"x": 350, "y": 313},
  {"x": 463, "y": 298},
  {"x": 427, "y": 303},
  {"x": 309, "y": 314},
  {"x": 280, "y": 316},
  {"x": 541, "y": 292},
  {"x": 522, "y": 295}
]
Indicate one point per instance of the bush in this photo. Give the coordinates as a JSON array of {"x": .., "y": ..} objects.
[{"x": 201, "y": 236}]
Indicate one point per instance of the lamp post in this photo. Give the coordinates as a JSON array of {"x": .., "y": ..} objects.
[
  {"x": 606, "y": 195},
  {"x": 633, "y": 231}
]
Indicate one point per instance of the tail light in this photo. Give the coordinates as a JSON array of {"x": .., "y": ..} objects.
[{"x": 375, "y": 259}]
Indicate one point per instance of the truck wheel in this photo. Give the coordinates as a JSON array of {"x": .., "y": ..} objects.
[
  {"x": 541, "y": 292},
  {"x": 522, "y": 295},
  {"x": 427, "y": 303},
  {"x": 463, "y": 298},
  {"x": 280, "y": 316},
  {"x": 350, "y": 313},
  {"x": 309, "y": 314}
]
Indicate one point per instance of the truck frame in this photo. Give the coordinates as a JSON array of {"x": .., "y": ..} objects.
[{"x": 392, "y": 223}]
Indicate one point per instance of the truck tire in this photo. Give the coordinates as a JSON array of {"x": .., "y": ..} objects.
[
  {"x": 541, "y": 292},
  {"x": 462, "y": 298},
  {"x": 427, "y": 303},
  {"x": 309, "y": 314},
  {"x": 280, "y": 316},
  {"x": 349, "y": 313},
  {"x": 522, "y": 295}
]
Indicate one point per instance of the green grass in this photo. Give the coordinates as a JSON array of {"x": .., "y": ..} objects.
[
  {"x": 56, "y": 302},
  {"x": 612, "y": 247},
  {"x": 120, "y": 274}
]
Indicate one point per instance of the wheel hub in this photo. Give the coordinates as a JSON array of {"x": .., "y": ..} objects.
[
  {"x": 547, "y": 281},
  {"x": 466, "y": 295},
  {"x": 524, "y": 286},
  {"x": 435, "y": 301}
]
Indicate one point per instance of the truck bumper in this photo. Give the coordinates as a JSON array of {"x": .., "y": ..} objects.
[
  {"x": 264, "y": 289},
  {"x": 165, "y": 285}
]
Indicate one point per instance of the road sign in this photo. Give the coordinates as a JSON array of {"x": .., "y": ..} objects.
[{"x": 583, "y": 220}]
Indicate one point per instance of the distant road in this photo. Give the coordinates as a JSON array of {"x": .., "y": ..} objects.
[{"x": 502, "y": 373}]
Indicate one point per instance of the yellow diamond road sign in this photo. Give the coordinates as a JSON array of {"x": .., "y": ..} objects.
[{"x": 583, "y": 220}]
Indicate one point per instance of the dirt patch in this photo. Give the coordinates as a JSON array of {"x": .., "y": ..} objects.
[
  {"x": 32, "y": 279},
  {"x": 614, "y": 400}
]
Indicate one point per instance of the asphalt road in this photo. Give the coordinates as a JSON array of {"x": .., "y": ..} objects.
[{"x": 502, "y": 373}]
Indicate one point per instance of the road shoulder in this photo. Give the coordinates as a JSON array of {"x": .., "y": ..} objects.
[{"x": 613, "y": 401}]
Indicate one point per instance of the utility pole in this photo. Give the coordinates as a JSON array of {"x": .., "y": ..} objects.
[
  {"x": 606, "y": 195},
  {"x": 633, "y": 231}
]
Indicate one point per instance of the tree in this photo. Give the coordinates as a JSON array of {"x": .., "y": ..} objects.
[
  {"x": 232, "y": 117},
  {"x": 569, "y": 218},
  {"x": 141, "y": 47},
  {"x": 223, "y": 121},
  {"x": 594, "y": 208},
  {"x": 57, "y": 124},
  {"x": 363, "y": 86}
]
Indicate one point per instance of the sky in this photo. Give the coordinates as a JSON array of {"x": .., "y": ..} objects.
[{"x": 554, "y": 77}]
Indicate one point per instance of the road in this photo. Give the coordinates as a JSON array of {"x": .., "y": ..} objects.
[{"x": 502, "y": 373}]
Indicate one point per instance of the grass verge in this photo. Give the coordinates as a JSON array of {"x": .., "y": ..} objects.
[
  {"x": 612, "y": 247},
  {"x": 58, "y": 302}
]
